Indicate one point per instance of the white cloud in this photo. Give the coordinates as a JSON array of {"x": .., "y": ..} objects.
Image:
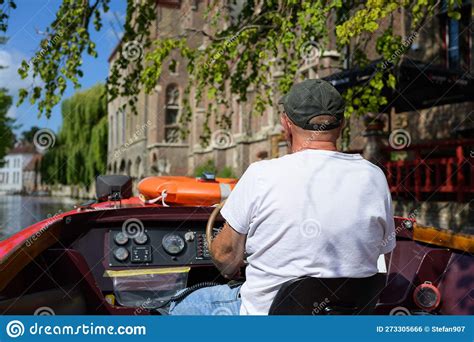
[
  {"x": 12, "y": 111},
  {"x": 9, "y": 77}
]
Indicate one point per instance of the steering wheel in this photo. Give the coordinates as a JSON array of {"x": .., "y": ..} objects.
[{"x": 210, "y": 224}]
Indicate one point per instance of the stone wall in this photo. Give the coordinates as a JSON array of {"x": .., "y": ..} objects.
[{"x": 447, "y": 215}]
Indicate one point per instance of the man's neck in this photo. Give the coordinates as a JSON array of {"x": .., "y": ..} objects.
[{"x": 314, "y": 145}]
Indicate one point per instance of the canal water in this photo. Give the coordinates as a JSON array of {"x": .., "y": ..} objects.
[{"x": 18, "y": 212}]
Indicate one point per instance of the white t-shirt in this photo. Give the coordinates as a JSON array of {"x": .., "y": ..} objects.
[{"x": 312, "y": 213}]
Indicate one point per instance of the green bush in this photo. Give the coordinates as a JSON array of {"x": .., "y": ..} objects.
[
  {"x": 226, "y": 172},
  {"x": 210, "y": 167}
]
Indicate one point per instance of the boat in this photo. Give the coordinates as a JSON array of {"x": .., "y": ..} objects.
[{"x": 128, "y": 255}]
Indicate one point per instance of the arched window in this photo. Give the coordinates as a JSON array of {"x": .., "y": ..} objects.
[
  {"x": 138, "y": 168},
  {"x": 117, "y": 137},
  {"x": 171, "y": 114},
  {"x": 154, "y": 166}
]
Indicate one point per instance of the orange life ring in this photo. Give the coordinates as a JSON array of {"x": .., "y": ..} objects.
[{"x": 186, "y": 190}]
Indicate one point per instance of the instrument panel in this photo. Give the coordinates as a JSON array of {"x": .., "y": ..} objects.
[{"x": 157, "y": 247}]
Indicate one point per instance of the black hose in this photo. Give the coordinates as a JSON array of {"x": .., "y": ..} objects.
[{"x": 179, "y": 297}]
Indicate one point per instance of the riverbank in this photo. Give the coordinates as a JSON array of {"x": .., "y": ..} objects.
[
  {"x": 73, "y": 191},
  {"x": 18, "y": 212}
]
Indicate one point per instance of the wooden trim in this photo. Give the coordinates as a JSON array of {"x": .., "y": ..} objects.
[{"x": 444, "y": 238}]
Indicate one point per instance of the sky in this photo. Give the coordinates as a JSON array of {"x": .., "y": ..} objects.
[{"x": 24, "y": 32}]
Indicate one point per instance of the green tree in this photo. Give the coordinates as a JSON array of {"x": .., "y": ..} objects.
[
  {"x": 80, "y": 151},
  {"x": 238, "y": 56},
  {"x": 28, "y": 136},
  {"x": 7, "y": 138}
]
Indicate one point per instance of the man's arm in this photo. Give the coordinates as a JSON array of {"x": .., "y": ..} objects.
[{"x": 227, "y": 251}]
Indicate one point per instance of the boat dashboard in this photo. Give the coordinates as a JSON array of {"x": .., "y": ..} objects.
[
  {"x": 159, "y": 245},
  {"x": 116, "y": 259}
]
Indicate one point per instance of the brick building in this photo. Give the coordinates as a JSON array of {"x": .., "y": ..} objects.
[{"x": 433, "y": 105}]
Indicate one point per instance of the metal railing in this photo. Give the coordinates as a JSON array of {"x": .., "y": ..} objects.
[{"x": 440, "y": 168}]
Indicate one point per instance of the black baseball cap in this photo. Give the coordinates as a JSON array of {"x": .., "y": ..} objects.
[{"x": 312, "y": 98}]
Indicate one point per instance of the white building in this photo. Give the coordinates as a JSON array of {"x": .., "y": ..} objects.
[{"x": 11, "y": 174}]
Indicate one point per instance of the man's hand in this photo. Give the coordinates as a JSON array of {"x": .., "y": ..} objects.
[{"x": 227, "y": 251}]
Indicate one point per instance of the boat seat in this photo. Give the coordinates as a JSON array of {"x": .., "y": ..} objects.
[{"x": 328, "y": 296}]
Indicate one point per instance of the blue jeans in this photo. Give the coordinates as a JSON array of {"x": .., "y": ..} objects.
[{"x": 214, "y": 300}]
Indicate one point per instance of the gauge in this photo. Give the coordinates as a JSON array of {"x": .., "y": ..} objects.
[
  {"x": 141, "y": 239},
  {"x": 173, "y": 243},
  {"x": 121, "y": 254},
  {"x": 121, "y": 238},
  {"x": 189, "y": 236}
]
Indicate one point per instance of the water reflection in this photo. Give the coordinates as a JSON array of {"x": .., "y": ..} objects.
[{"x": 18, "y": 212}]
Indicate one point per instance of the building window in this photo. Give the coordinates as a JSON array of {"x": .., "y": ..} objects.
[
  {"x": 111, "y": 133},
  {"x": 122, "y": 113},
  {"x": 453, "y": 44},
  {"x": 456, "y": 35},
  {"x": 116, "y": 129},
  {"x": 120, "y": 127},
  {"x": 172, "y": 114}
]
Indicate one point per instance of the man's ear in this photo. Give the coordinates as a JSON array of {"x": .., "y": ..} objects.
[
  {"x": 287, "y": 126},
  {"x": 285, "y": 122}
]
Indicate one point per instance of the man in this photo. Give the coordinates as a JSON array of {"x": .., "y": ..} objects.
[{"x": 315, "y": 212}]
